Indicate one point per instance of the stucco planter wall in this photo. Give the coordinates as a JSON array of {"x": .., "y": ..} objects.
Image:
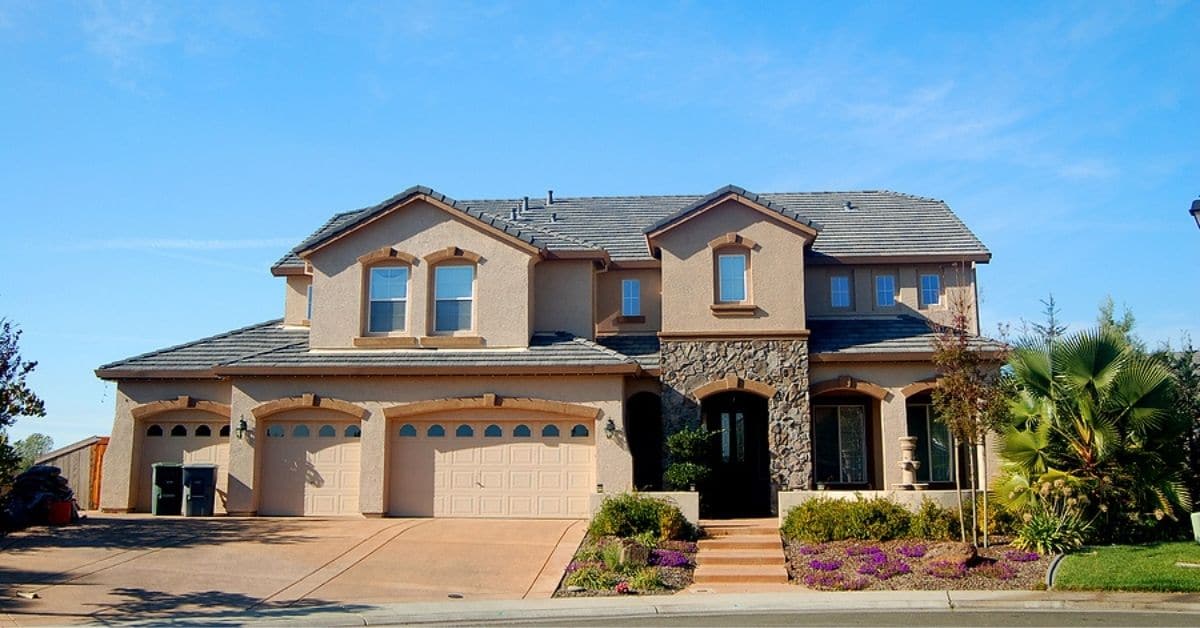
[{"x": 779, "y": 363}]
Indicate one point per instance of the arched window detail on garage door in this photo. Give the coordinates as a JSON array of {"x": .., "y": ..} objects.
[
  {"x": 464, "y": 431},
  {"x": 203, "y": 430},
  {"x": 435, "y": 431},
  {"x": 550, "y": 431},
  {"x": 275, "y": 431},
  {"x": 408, "y": 431},
  {"x": 224, "y": 431},
  {"x": 154, "y": 430},
  {"x": 522, "y": 431},
  {"x": 326, "y": 431},
  {"x": 179, "y": 430},
  {"x": 301, "y": 431},
  {"x": 579, "y": 431},
  {"x": 492, "y": 431},
  {"x": 353, "y": 431}
]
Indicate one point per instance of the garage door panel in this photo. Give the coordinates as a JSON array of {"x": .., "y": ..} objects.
[
  {"x": 520, "y": 480},
  {"x": 309, "y": 475},
  {"x": 522, "y": 454},
  {"x": 494, "y": 455}
]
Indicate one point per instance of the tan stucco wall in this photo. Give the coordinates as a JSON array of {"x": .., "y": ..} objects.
[
  {"x": 614, "y": 465},
  {"x": 608, "y": 301},
  {"x": 502, "y": 316},
  {"x": 295, "y": 299},
  {"x": 122, "y": 460},
  {"x": 776, "y": 283},
  {"x": 893, "y": 410},
  {"x": 957, "y": 283},
  {"x": 563, "y": 297}
]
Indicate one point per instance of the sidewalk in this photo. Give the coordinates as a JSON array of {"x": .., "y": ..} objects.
[{"x": 490, "y": 611}]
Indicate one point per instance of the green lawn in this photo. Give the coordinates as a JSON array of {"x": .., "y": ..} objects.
[{"x": 1131, "y": 568}]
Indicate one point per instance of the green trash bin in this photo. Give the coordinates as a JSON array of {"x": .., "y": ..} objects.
[
  {"x": 199, "y": 489},
  {"x": 168, "y": 488}
]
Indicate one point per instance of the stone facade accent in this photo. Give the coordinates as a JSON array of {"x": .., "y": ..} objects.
[{"x": 780, "y": 363}]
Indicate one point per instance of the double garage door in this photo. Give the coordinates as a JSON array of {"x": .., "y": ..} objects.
[
  {"x": 455, "y": 468},
  {"x": 183, "y": 443}
]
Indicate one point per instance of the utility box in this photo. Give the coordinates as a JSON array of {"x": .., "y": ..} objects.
[
  {"x": 168, "y": 488},
  {"x": 199, "y": 489}
]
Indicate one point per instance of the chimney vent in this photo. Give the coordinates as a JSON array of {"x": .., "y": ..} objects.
[
  {"x": 553, "y": 216},
  {"x": 513, "y": 213},
  {"x": 525, "y": 204},
  {"x": 549, "y": 197},
  {"x": 848, "y": 207}
]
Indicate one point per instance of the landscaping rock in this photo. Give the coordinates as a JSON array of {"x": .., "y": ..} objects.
[
  {"x": 634, "y": 553},
  {"x": 956, "y": 553},
  {"x": 575, "y": 589}
]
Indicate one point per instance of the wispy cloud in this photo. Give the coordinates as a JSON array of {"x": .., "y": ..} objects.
[
  {"x": 182, "y": 244},
  {"x": 120, "y": 31}
]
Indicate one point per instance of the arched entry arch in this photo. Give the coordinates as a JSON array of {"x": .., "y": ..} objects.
[{"x": 739, "y": 454}]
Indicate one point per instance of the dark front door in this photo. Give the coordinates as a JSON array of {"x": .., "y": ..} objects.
[{"x": 741, "y": 483}]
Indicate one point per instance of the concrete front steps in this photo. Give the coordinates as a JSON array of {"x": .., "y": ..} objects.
[{"x": 740, "y": 552}]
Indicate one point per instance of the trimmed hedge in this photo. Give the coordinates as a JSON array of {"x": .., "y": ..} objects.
[{"x": 631, "y": 514}]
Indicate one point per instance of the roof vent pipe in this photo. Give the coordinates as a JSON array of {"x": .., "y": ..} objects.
[
  {"x": 553, "y": 216},
  {"x": 513, "y": 213},
  {"x": 549, "y": 197},
  {"x": 848, "y": 207},
  {"x": 525, "y": 204}
]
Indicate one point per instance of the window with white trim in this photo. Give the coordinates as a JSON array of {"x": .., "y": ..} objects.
[
  {"x": 840, "y": 444},
  {"x": 839, "y": 291},
  {"x": 631, "y": 297},
  {"x": 885, "y": 290},
  {"x": 935, "y": 449},
  {"x": 731, "y": 277},
  {"x": 389, "y": 299},
  {"x": 931, "y": 290},
  {"x": 453, "y": 294}
]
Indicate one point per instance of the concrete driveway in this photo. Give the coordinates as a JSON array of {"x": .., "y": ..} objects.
[{"x": 114, "y": 568}]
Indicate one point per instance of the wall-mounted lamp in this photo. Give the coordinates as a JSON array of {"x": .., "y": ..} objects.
[
  {"x": 610, "y": 429},
  {"x": 242, "y": 426},
  {"x": 599, "y": 488}
]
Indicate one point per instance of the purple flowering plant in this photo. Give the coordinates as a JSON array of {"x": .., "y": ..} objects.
[
  {"x": 946, "y": 569},
  {"x": 1018, "y": 556},
  {"x": 825, "y": 565},
  {"x": 668, "y": 558},
  {"x": 911, "y": 551},
  {"x": 885, "y": 570},
  {"x": 809, "y": 550}
]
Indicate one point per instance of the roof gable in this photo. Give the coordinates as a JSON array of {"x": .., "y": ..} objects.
[{"x": 739, "y": 195}]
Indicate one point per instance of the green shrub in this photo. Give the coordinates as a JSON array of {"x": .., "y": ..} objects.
[
  {"x": 592, "y": 578},
  {"x": 934, "y": 523},
  {"x": 648, "y": 539},
  {"x": 646, "y": 579},
  {"x": 629, "y": 515},
  {"x": 683, "y": 476},
  {"x": 1054, "y": 523},
  {"x": 826, "y": 519},
  {"x": 690, "y": 444},
  {"x": 610, "y": 555}
]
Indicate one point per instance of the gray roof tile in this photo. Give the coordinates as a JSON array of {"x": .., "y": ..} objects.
[
  {"x": 900, "y": 334},
  {"x": 644, "y": 349},
  {"x": 200, "y": 356}
]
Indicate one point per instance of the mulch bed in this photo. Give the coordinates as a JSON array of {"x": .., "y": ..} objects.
[
  {"x": 902, "y": 565},
  {"x": 673, "y": 578}
]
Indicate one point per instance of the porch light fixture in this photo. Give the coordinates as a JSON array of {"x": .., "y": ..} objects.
[
  {"x": 242, "y": 426},
  {"x": 610, "y": 429},
  {"x": 599, "y": 488},
  {"x": 1195, "y": 211}
]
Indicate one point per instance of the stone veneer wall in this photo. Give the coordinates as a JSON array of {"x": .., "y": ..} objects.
[{"x": 783, "y": 364}]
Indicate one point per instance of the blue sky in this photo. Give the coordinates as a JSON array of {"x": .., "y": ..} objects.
[{"x": 155, "y": 158}]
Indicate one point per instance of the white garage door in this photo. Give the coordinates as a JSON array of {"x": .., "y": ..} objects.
[
  {"x": 310, "y": 468},
  {"x": 483, "y": 469},
  {"x": 184, "y": 443}
]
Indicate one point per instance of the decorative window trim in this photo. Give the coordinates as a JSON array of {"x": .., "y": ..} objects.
[
  {"x": 367, "y": 271},
  {"x": 458, "y": 260},
  {"x": 732, "y": 239},
  {"x": 307, "y": 401},
  {"x": 387, "y": 254},
  {"x": 847, "y": 383},
  {"x": 182, "y": 402},
  {"x": 747, "y": 293},
  {"x": 453, "y": 253},
  {"x": 491, "y": 402},
  {"x": 732, "y": 382}
]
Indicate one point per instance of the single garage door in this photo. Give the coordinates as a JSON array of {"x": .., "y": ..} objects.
[
  {"x": 310, "y": 468},
  {"x": 484, "y": 469},
  {"x": 184, "y": 443}
]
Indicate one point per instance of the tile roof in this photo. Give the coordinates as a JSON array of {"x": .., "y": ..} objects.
[
  {"x": 200, "y": 356},
  {"x": 878, "y": 223},
  {"x": 900, "y": 334},
  {"x": 644, "y": 349}
]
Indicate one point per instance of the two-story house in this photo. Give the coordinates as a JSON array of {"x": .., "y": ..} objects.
[{"x": 513, "y": 357}]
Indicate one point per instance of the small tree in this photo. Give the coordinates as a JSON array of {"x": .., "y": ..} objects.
[
  {"x": 1185, "y": 369},
  {"x": 969, "y": 397},
  {"x": 16, "y": 398},
  {"x": 33, "y": 447},
  {"x": 689, "y": 449}
]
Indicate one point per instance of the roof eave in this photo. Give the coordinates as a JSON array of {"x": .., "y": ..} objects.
[
  {"x": 817, "y": 258},
  {"x": 116, "y": 374},
  {"x": 269, "y": 371}
]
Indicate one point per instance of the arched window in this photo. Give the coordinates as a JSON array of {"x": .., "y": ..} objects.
[
  {"x": 300, "y": 431},
  {"x": 179, "y": 430},
  {"x": 275, "y": 431},
  {"x": 408, "y": 431},
  {"x": 435, "y": 431},
  {"x": 154, "y": 430},
  {"x": 203, "y": 430},
  {"x": 353, "y": 431},
  {"x": 492, "y": 431},
  {"x": 326, "y": 431},
  {"x": 224, "y": 431},
  {"x": 579, "y": 431},
  {"x": 464, "y": 431},
  {"x": 522, "y": 431},
  {"x": 550, "y": 431}
]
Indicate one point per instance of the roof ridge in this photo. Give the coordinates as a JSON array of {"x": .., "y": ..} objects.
[
  {"x": 599, "y": 347},
  {"x": 912, "y": 196},
  {"x": 264, "y": 324}
]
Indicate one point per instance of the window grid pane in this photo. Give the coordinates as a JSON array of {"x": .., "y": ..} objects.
[
  {"x": 852, "y": 436},
  {"x": 453, "y": 293},
  {"x": 930, "y": 289},
  {"x": 839, "y": 291},
  {"x": 631, "y": 297},
  {"x": 732, "y": 278},
  {"x": 885, "y": 291}
]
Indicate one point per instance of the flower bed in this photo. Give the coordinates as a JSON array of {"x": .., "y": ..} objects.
[
  {"x": 909, "y": 565},
  {"x": 600, "y": 568}
]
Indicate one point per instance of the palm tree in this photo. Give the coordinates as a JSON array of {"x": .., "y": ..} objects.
[{"x": 1095, "y": 412}]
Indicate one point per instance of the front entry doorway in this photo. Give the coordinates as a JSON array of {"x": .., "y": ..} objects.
[{"x": 741, "y": 481}]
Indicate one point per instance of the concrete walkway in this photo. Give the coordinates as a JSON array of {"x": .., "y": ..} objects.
[{"x": 120, "y": 568}]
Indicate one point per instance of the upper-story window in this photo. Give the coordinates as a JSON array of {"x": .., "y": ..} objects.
[
  {"x": 885, "y": 290},
  {"x": 839, "y": 291},
  {"x": 731, "y": 277},
  {"x": 631, "y": 297},
  {"x": 454, "y": 294},
  {"x": 389, "y": 298},
  {"x": 308, "y": 303},
  {"x": 931, "y": 290}
]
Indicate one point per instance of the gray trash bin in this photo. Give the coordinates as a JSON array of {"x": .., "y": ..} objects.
[
  {"x": 199, "y": 489},
  {"x": 168, "y": 489}
]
